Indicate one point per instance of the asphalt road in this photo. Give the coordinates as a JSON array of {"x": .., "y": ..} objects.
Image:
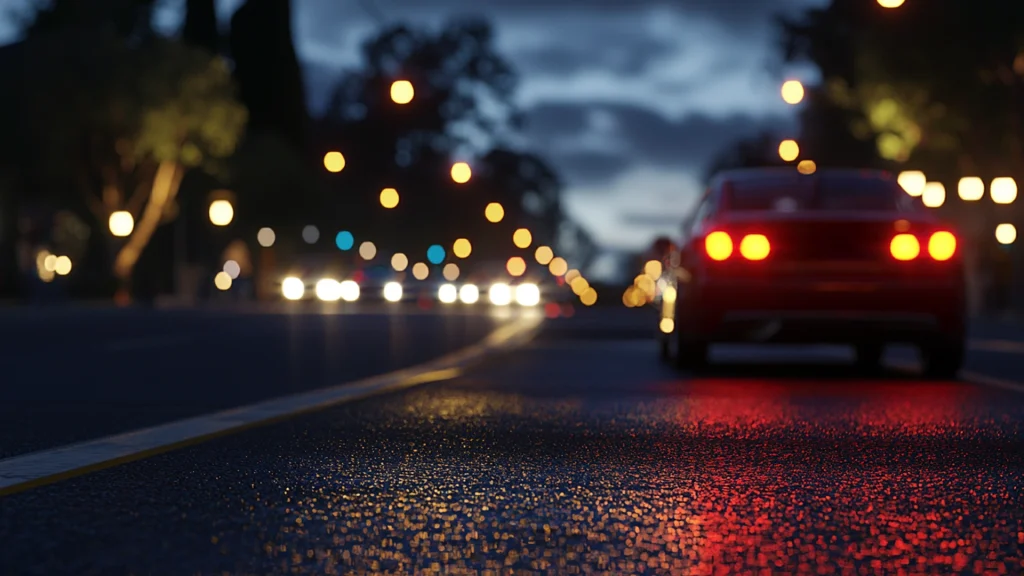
[
  {"x": 578, "y": 453},
  {"x": 79, "y": 374}
]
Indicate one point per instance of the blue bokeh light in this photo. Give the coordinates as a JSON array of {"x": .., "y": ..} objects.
[
  {"x": 345, "y": 240},
  {"x": 435, "y": 254}
]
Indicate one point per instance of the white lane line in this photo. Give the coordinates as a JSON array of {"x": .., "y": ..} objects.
[
  {"x": 1006, "y": 346},
  {"x": 29, "y": 470}
]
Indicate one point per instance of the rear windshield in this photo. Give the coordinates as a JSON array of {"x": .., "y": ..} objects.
[{"x": 785, "y": 193}]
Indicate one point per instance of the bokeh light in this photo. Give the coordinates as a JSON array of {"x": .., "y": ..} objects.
[
  {"x": 121, "y": 223},
  {"x": 500, "y": 294},
  {"x": 579, "y": 285},
  {"x": 462, "y": 248},
  {"x": 571, "y": 275},
  {"x": 344, "y": 240},
  {"x": 653, "y": 268},
  {"x": 589, "y": 297},
  {"x": 1006, "y": 234},
  {"x": 349, "y": 291},
  {"x": 718, "y": 245},
  {"x": 399, "y": 262},
  {"x": 49, "y": 261},
  {"x": 934, "y": 194},
  {"x": 971, "y": 189},
  {"x": 334, "y": 162},
  {"x": 420, "y": 271},
  {"x": 755, "y": 247},
  {"x": 792, "y": 92},
  {"x": 367, "y": 250},
  {"x": 891, "y": 3},
  {"x": 232, "y": 269},
  {"x": 544, "y": 254},
  {"x": 328, "y": 290},
  {"x": 516, "y": 266},
  {"x": 461, "y": 172},
  {"x": 1004, "y": 190},
  {"x": 494, "y": 212},
  {"x": 221, "y": 212},
  {"x": 389, "y": 198},
  {"x": 807, "y": 167},
  {"x": 904, "y": 247},
  {"x": 789, "y": 150},
  {"x": 527, "y": 294},
  {"x": 436, "y": 254},
  {"x": 266, "y": 237},
  {"x": 222, "y": 281},
  {"x": 558, "y": 266},
  {"x": 293, "y": 288},
  {"x": 62, "y": 265},
  {"x": 912, "y": 182},
  {"x": 522, "y": 238},
  {"x": 402, "y": 92},
  {"x": 646, "y": 286},
  {"x": 667, "y": 325},
  {"x": 669, "y": 294},
  {"x": 392, "y": 292},
  {"x": 469, "y": 294},
  {"x": 310, "y": 234},
  {"x": 450, "y": 272},
  {"x": 447, "y": 294}
]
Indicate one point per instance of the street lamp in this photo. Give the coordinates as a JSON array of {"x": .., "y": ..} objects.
[
  {"x": 1004, "y": 190},
  {"x": 912, "y": 182},
  {"x": 792, "y": 92},
  {"x": 389, "y": 198},
  {"x": 522, "y": 238},
  {"x": 402, "y": 92},
  {"x": 121, "y": 223},
  {"x": 971, "y": 189},
  {"x": 789, "y": 150},
  {"x": 221, "y": 212},
  {"x": 494, "y": 212},
  {"x": 461, "y": 172}
]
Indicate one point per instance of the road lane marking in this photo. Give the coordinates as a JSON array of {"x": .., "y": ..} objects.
[
  {"x": 1005, "y": 346},
  {"x": 28, "y": 471}
]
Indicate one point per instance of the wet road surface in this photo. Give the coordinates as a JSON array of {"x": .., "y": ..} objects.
[
  {"x": 81, "y": 374},
  {"x": 577, "y": 454}
]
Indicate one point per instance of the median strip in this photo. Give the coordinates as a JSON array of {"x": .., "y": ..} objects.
[{"x": 45, "y": 467}]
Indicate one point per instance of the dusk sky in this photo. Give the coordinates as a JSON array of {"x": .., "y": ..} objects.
[{"x": 629, "y": 99}]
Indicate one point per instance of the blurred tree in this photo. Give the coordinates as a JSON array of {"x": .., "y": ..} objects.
[
  {"x": 462, "y": 107},
  {"x": 128, "y": 118}
]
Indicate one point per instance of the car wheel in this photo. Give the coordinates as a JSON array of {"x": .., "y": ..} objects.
[
  {"x": 943, "y": 358},
  {"x": 869, "y": 355}
]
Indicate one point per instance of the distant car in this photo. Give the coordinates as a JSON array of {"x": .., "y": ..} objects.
[{"x": 840, "y": 256}]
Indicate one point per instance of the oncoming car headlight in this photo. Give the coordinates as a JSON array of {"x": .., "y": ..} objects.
[
  {"x": 527, "y": 295},
  {"x": 469, "y": 294},
  {"x": 500, "y": 294},
  {"x": 447, "y": 294},
  {"x": 349, "y": 290},
  {"x": 328, "y": 290},
  {"x": 293, "y": 288},
  {"x": 393, "y": 292}
]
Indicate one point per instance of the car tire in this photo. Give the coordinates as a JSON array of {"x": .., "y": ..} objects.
[
  {"x": 943, "y": 358},
  {"x": 868, "y": 355}
]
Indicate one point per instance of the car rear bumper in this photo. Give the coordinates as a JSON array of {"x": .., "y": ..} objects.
[{"x": 812, "y": 311}]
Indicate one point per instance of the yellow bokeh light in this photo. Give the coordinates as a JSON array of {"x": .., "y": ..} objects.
[
  {"x": 522, "y": 238},
  {"x": 62, "y": 265},
  {"x": 558, "y": 266},
  {"x": 516, "y": 266},
  {"x": 462, "y": 248},
  {"x": 1004, "y": 190},
  {"x": 912, "y": 182},
  {"x": 293, "y": 288},
  {"x": 266, "y": 237},
  {"x": 644, "y": 283},
  {"x": 654, "y": 268},
  {"x": 891, "y": 3},
  {"x": 49, "y": 261},
  {"x": 450, "y": 272},
  {"x": 589, "y": 297},
  {"x": 222, "y": 280},
  {"x": 807, "y": 167},
  {"x": 221, "y": 212},
  {"x": 389, "y": 198},
  {"x": 971, "y": 189},
  {"x": 461, "y": 172},
  {"x": 789, "y": 150},
  {"x": 669, "y": 294},
  {"x": 399, "y": 262},
  {"x": 402, "y": 92},
  {"x": 755, "y": 247},
  {"x": 792, "y": 92},
  {"x": 571, "y": 275},
  {"x": 420, "y": 271},
  {"x": 627, "y": 297},
  {"x": 904, "y": 247},
  {"x": 1006, "y": 234},
  {"x": 934, "y": 194},
  {"x": 667, "y": 325},
  {"x": 334, "y": 162},
  {"x": 544, "y": 254},
  {"x": 121, "y": 223},
  {"x": 718, "y": 246},
  {"x": 942, "y": 246},
  {"x": 494, "y": 212},
  {"x": 579, "y": 285},
  {"x": 367, "y": 250}
]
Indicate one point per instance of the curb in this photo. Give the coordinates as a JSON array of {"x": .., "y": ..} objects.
[{"x": 28, "y": 471}]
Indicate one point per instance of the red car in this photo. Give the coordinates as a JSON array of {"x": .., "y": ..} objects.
[{"x": 840, "y": 256}]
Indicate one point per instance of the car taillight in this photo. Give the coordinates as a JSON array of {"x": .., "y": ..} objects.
[
  {"x": 904, "y": 247},
  {"x": 755, "y": 247},
  {"x": 942, "y": 246},
  {"x": 718, "y": 246}
]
